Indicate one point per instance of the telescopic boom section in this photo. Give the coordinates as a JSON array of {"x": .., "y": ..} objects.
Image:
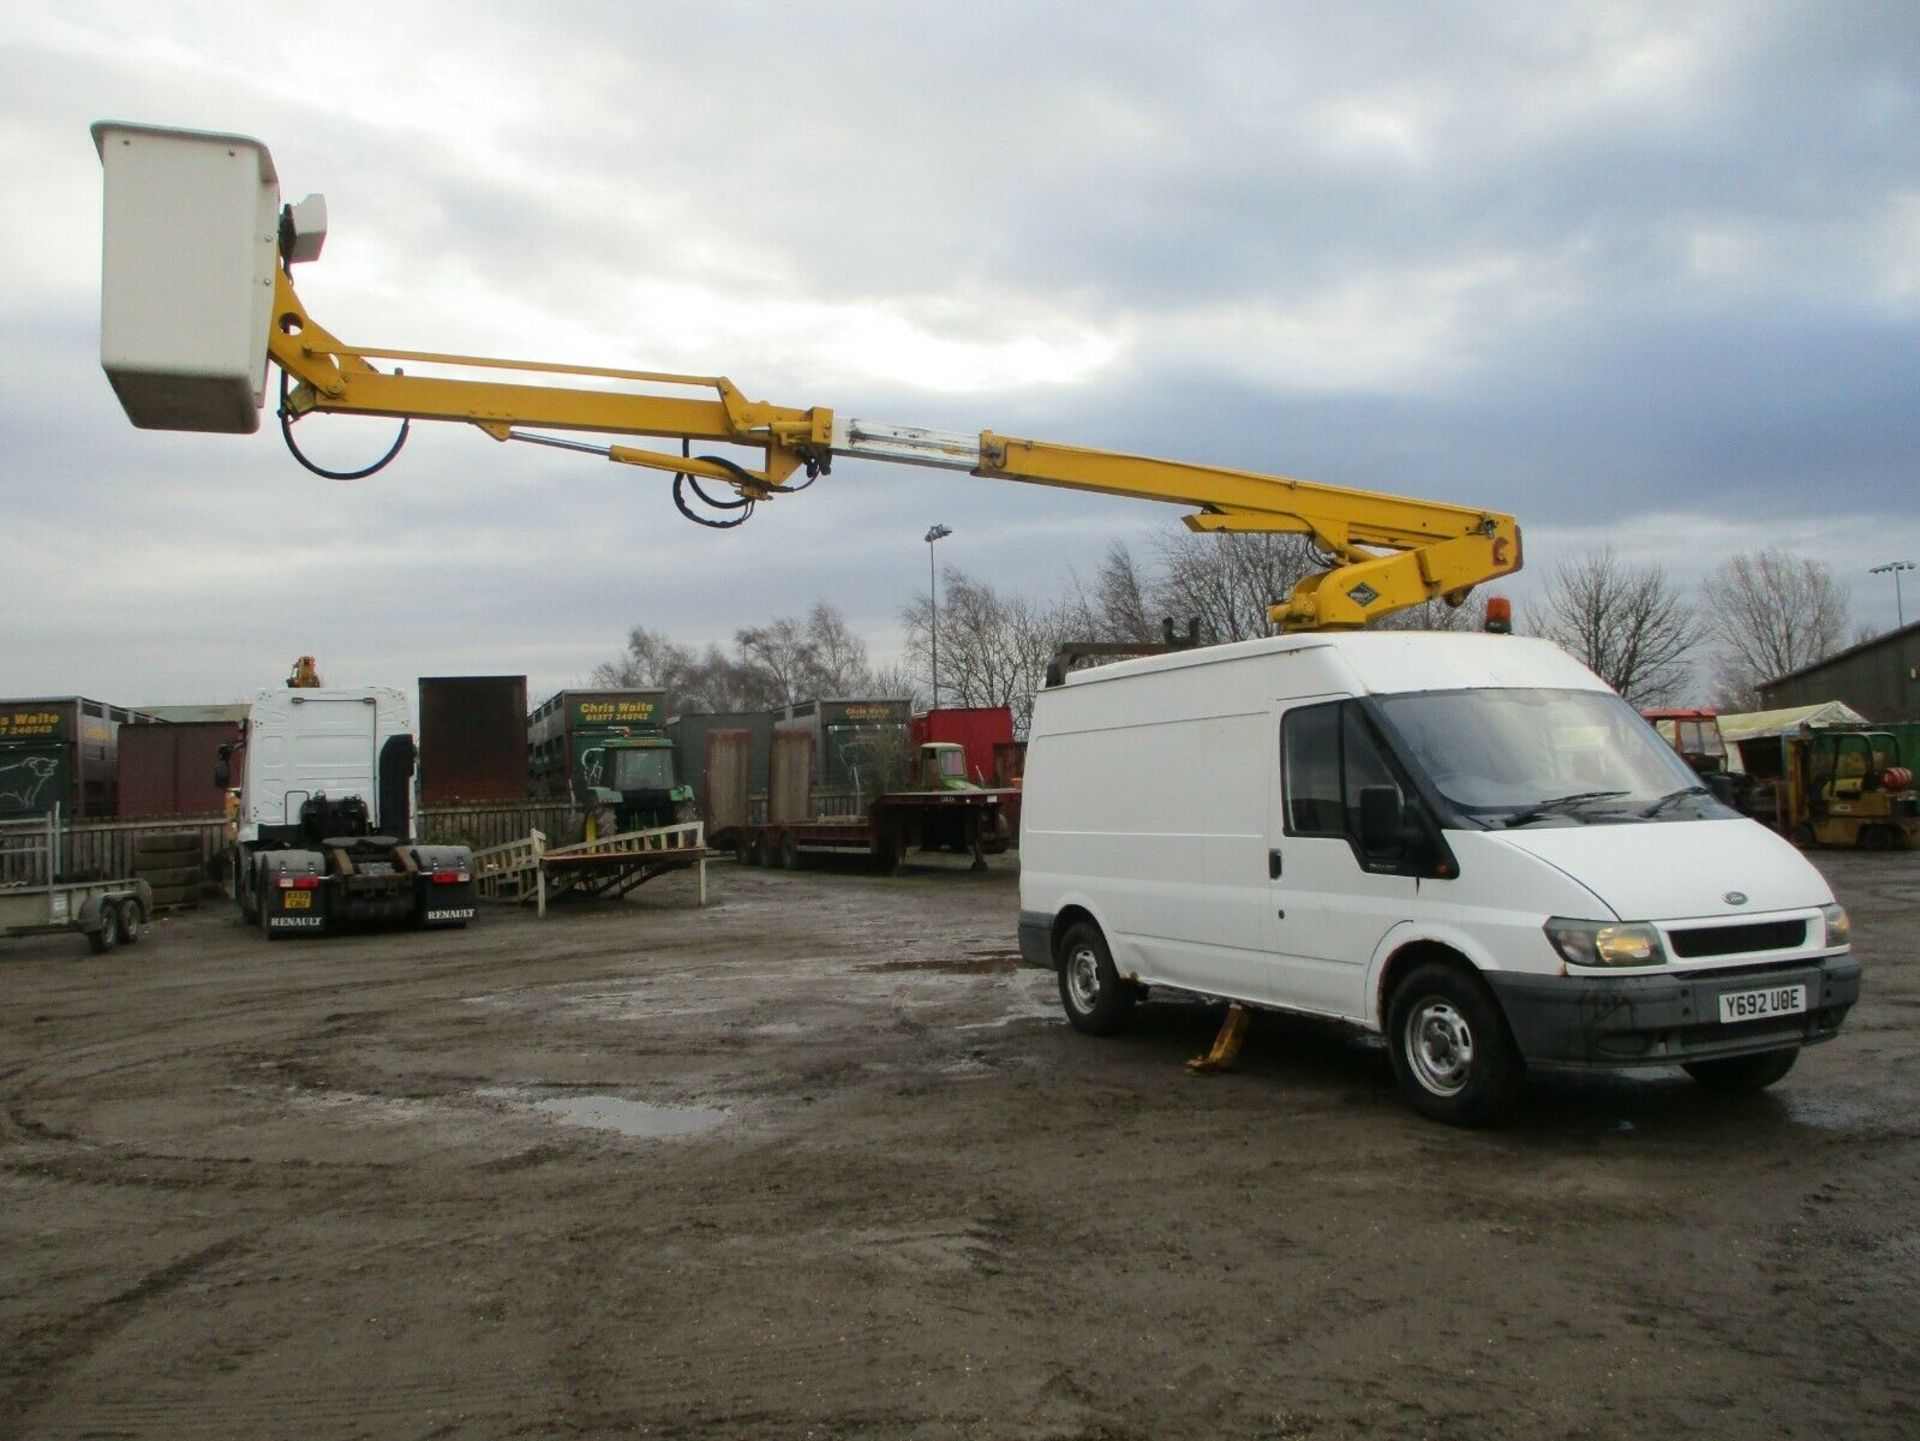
[
  {"x": 1386, "y": 552},
  {"x": 197, "y": 263}
]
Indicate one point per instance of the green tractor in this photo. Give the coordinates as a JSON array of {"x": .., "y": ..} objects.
[{"x": 629, "y": 785}]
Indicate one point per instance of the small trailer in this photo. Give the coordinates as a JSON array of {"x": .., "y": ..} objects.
[{"x": 34, "y": 903}]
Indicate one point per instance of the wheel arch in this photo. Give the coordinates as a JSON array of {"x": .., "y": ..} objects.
[
  {"x": 1399, "y": 954},
  {"x": 1071, "y": 914}
]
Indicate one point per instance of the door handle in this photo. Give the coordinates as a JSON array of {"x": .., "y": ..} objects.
[{"x": 1273, "y": 865}]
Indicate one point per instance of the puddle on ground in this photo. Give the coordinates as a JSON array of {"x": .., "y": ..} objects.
[
  {"x": 1824, "y": 1114},
  {"x": 985, "y": 963},
  {"x": 629, "y": 1118}
]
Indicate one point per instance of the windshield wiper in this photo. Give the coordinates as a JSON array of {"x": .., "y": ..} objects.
[
  {"x": 1671, "y": 796},
  {"x": 1543, "y": 809}
]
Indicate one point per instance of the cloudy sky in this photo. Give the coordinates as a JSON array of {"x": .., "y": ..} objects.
[{"x": 1638, "y": 273}]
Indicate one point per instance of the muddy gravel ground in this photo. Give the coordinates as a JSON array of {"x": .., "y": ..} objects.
[{"x": 820, "y": 1160}]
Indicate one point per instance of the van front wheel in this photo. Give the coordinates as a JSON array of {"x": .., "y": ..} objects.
[
  {"x": 1095, "y": 998},
  {"x": 1450, "y": 1048}
]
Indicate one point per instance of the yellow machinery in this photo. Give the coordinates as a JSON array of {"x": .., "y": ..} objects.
[
  {"x": 197, "y": 295},
  {"x": 1835, "y": 787}
]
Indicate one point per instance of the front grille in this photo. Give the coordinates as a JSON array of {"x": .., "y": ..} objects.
[{"x": 1701, "y": 941}]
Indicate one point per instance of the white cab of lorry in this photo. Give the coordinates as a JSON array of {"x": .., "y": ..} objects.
[
  {"x": 1466, "y": 842},
  {"x": 325, "y": 831}
]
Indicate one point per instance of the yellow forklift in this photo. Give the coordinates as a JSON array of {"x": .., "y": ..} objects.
[{"x": 1834, "y": 787}]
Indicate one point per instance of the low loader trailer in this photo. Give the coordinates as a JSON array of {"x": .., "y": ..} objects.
[
  {"x": 932, "y": 807},
  {"x": 887, "y": 829}
]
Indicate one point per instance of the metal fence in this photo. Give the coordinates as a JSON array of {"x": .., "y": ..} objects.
[
  {"x": 88, "y": 850},
  {"x": 479, "y": 827},
  {"x": 24, "y": 848}
]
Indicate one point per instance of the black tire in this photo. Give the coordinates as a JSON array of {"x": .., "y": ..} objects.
[
  {"x": 168, "y": 876},
  {"x": 107, "y": 936},
  {"x": 757, "y": 851},
  {"x": 1094, "y": 997},
  {"x": 132, "y": 918},
  {"x": 165, "y": 848},
  {"x": 789, "y": 852},
  {"x": 260, "y": 912},
  {"x": 742, "y": 852},
  {"x": 1450, "y": 1047},
  {"x": 1743, "y": 1073}
]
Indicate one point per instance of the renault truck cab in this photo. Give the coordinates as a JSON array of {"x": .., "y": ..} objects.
[{"x": 1466, "y": 842}]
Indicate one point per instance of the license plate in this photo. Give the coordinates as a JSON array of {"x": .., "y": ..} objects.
[
  {"x": 300, "y": 901},
  {"x": 1758, "y": 1005}
]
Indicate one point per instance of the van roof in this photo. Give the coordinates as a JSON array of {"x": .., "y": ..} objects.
[{"x": 1388, "y": 661}]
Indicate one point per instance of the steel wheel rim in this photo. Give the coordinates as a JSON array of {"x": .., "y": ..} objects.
[
  {"x": 1439, "y": 1047},
  {"x": 1083, "y": 978}
]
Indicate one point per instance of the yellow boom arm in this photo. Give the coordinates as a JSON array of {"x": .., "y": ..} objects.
[{"x": 1385, "y": 552}]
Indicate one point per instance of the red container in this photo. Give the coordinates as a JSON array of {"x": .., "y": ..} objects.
[
  {"x": 977, "y": 730},
  {"x": 473, "y": 739},
  {"x": 167, "y": 770}
]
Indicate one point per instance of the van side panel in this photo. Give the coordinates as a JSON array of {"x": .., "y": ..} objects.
[{"x": 1147, "y": 801}]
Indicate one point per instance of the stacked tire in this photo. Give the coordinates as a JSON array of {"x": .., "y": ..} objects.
[{"x": 169, "y": 861}]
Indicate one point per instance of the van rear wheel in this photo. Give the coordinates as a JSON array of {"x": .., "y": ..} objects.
[
  {"x": 1095, "y": 998},
  {"x": 1450, "y": 1049}
]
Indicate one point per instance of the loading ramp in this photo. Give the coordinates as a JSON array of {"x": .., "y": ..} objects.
[{"x": 533, "y": 872}]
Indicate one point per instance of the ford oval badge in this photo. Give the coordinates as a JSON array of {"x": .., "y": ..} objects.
[{"x": 1735, "y": 898}]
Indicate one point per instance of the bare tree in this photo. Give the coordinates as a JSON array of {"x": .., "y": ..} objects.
[
  {"x": 777, "y": 664},
  {"x": 807, "y": 659},
  {"x": 994, "y": 648},
  {"x": 1118, "y": 605},
  {"x": 1627, "y": 623},
  {"x": 1228, "y": 581},
  {"x": 1772, "y": 612}
]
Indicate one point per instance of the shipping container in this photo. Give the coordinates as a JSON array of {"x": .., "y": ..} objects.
[
  {"x": 473, "y": 739},
  {"x": 977, "y": 730},
  {"x": 62, "y": 751},
  {"x": 573, "y": 722},
  {"x": 167, "y": 770}
]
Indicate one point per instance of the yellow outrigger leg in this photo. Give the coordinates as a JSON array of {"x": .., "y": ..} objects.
[{"x": 1226, "y": 1045}]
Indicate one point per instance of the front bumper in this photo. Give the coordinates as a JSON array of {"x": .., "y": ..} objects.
[{"x": 1579, "y": 1022}]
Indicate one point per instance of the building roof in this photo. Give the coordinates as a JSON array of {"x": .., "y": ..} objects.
[{"x": 1911, "y": 628}]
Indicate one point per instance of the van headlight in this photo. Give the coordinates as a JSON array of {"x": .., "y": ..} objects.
[
  {"x": 1606, "y": 943},
  {"x": 1839, "y": 928}
]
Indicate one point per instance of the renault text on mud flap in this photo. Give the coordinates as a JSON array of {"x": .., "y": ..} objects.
[
  {"x": 297, "y": 923},
  {"x": 458, "y": 913}
]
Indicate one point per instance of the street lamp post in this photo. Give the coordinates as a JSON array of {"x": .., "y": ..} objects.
[
  {"x": 935, "y": 532},
  {"x": 1895, "y": 567}
]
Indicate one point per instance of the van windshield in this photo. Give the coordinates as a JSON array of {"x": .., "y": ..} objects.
[{"x": 1523, "y": 757}]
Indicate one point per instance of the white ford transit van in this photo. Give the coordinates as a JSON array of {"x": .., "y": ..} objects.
[{"x": 1467, "y": 842}]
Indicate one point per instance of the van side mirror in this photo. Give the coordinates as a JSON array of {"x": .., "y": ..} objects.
[
  {"x": 223, "y": 768},
  {"x": 1380, "y": 818}
]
